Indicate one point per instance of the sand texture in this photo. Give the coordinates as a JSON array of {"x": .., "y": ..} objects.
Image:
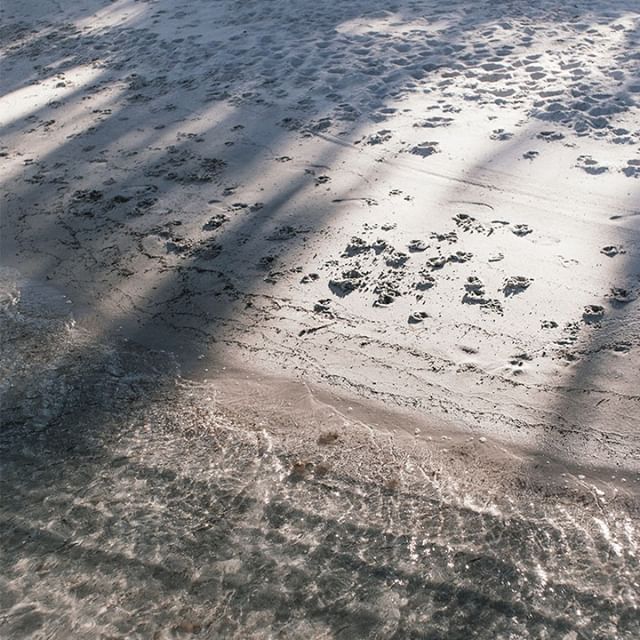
[{"x": 412, "y": 228}]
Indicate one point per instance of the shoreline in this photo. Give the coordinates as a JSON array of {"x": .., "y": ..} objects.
[
  {"x": 305, "y": 405},
  {"x": 147, "y": 505}
]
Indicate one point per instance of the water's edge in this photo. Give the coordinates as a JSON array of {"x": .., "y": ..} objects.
[{"x": 137, "y": 503}]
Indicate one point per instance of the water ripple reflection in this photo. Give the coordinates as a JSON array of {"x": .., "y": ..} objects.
[{"x": 135, "y": 506}]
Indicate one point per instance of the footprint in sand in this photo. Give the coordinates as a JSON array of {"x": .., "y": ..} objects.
[
  {"x": 501, "y": 135},
  {"x": 434, "y": 122},
  {"x": 521, "y": 230},
  {"x": 425, "y": 149},
  {"x": 356, "y": 246},
  {"x": 492, "y": 306},
  {"x": 474, "y": 283},
  {"x": 215, "y": 222},
  {"x": 474, "y": 297},
  {"x": 266, "y": 262},
  {"x": 612, "y": 250},
  {"x": 359, "y": 246},
  {"x": 310, "y": 277},
  {"x": 475, "y": 294},
  {"x": 382, "y": 136},
  {"x": 517, "y": 366},
  {"x": 593, "y": 313},
  {"x": 396, "y": 259},
  {"x": 590, "y": 166},
  {"x": 285, "y": 232},
  {"x": 418, "y": 316},
  {"x": 550, "y": 136},
  {"x": 516, "y": 284},
  {"x": 351, "y": 280},
  {"x": 386, "y": 295},
  {"x": 620, "y": 295},
  {"x": 450, "y": 236},
  {"x": 436, "y": 262},
  {"x": 323, "y": 306},
  {"x": 380, "y": 245},
  {"x": 417, "y": 246},
  {"x": 460, "y": 256},
  {"x": 468, "y": 223},
  {"x": 632, "y": 170},
  {"x": 474, "y": 290},
  {"x": 427, "y": 281}
]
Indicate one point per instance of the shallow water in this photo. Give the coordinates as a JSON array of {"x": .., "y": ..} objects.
[{"x": 137, "y": 504}]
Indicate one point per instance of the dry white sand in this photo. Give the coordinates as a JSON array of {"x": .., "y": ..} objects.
[{"x": 432, "y": 204}]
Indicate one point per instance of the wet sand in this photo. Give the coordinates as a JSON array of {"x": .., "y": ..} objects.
[{"x": 137, "y": 503}]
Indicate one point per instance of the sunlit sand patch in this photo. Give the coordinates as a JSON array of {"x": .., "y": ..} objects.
[
  {"x": 30, "y": 99},
  {"x": 120, "y": 13}
]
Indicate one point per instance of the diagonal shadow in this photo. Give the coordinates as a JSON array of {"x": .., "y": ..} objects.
[{"x": 75, "y": 430}]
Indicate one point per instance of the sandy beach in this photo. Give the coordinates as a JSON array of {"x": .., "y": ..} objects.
[{"x": 320, "y": 273}]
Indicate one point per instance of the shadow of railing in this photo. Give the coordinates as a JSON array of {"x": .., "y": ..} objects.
[{"x": 82, "y": 428}]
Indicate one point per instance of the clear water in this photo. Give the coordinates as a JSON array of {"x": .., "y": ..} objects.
[{"x": 135, "y": 505}]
